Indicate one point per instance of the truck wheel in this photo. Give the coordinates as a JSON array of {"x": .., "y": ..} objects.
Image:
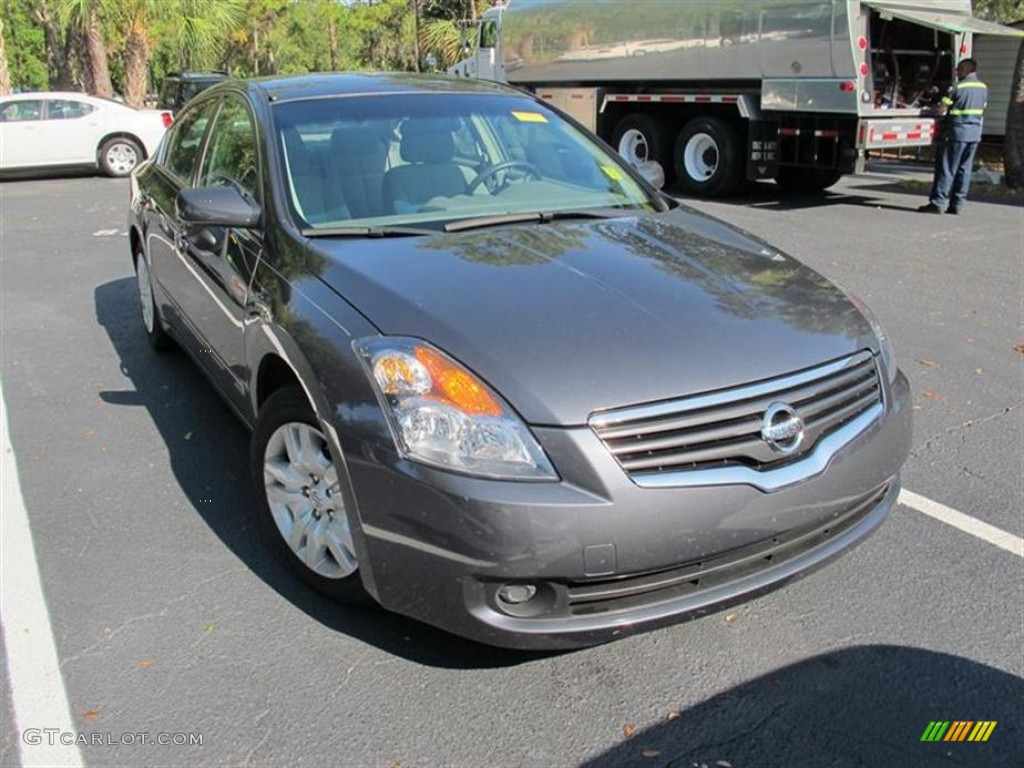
[
  {"x": 639, "y": 137},
  {"x": 805, "y": 181},
  {"x": 709, "y": 157}
]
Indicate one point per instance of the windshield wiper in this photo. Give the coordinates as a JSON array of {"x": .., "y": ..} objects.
[
  {"x": 542, "y": 217},
  {"x": 367, "y": 231}
]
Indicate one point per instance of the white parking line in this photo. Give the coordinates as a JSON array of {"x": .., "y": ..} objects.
[
  {"x": 966, "y": 523},
  {"x": 38, "y": 697}
]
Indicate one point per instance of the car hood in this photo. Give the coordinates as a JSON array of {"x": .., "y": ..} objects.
[{"x": 567, "y": 318}]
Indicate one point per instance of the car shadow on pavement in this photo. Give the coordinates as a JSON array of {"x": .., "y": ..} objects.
[
  {"x": 208, "y": 450},
  {"x": 769, "y": 196},
  {"x": 862, "y": 706}
]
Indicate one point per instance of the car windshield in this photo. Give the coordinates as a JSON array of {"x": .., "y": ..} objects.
[{"x": 434, "y": 159}]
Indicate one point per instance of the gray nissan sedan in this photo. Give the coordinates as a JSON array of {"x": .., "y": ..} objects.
[{"x": 495, "y": 381}]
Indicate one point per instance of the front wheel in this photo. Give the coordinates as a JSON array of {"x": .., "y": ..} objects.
[
  {"x": 709, "y": 157},
  {"x": 299, "y": 497},
  {"x": 119, "y": 156}
]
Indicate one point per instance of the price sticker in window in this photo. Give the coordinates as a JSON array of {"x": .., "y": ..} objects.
[{"x": 529, "y": 117}]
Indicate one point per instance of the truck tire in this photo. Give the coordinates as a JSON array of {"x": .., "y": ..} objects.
[
  {"x": 639, "y": 137},
  {"x": 709, "y": 157},
  {"x": 806, "y": 181}
]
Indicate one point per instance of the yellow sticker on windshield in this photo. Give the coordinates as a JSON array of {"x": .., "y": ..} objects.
[
  {"x": 612, "y": 172},
  {"x": 529, "y": 117}
]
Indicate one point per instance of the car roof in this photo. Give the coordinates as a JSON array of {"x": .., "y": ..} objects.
[
  {"x": 56, "y": 95},
  {"x": 215, "y": 74},
  {"x": 278, "y": 89}
]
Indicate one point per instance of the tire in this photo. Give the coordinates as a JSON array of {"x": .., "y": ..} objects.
[
  {"x": 709, "y": 157},
  {"x": 120, "y": 156},
  {"x": 152, "y": 323},
  {"x": 806, "y": 181},
  {"x": 299, "y": 503},
  {"x": 640, "y": 137}
]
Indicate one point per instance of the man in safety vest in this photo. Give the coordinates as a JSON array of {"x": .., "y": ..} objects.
[{"x": 965, "y": 104}]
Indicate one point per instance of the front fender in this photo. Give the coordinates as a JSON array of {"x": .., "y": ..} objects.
[{"x": 311, "y": 329}]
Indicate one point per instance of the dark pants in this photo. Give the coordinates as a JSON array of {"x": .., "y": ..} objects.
[{"x": 953, "y": 166}]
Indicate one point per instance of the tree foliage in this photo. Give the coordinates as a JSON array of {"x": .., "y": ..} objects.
[
  {"x": 1002, "y": 11},
  {"x": 128, "y": 46}
]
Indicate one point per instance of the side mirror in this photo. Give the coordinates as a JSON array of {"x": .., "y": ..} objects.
[{"x": 217, "y": 207}]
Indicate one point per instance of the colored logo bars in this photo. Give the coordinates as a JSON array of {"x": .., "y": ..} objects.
[{"x": 958, "y": 730}]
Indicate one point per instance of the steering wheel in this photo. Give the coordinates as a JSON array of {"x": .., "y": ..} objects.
[{"x": 491, "y": 170}]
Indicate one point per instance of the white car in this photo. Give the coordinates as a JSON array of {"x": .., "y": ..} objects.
[{"x": 54, "y": 129}]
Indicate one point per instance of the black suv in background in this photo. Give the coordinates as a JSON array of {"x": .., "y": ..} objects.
[{"x": 179, "y": 87}]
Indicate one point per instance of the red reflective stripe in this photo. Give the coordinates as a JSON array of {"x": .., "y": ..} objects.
[
  {"x": 643, "y": 98},
  {"x": 730, "y": 99},
  {"x": 789, "y": 131},
  {"x": 827, "y": 134},
  {"x": 703, "y": 99},
  {"x": 673, "y": 98},
  {"x": 863, "y": 130},
  {"x": 576, "y": 96},
  {"x": 914, "y": 135},
  {"x": 890, "y": 136}
]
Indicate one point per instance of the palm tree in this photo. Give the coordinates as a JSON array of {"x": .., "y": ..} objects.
[
  {"x": 443, "y": 35},
  {"x": 136, "y": 18},
  {"x": 5, "y": 75},
  {"x": 203, "y": 28},
  {"x": 88, "y": 16}
]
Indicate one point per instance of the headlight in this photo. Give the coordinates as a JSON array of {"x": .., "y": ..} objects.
[
  {"x": 884, "y": 343},
  {"x": 444, "y": 415}
]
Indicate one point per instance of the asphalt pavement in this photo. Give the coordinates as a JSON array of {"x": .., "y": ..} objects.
[{"x": 170, "y": 616}]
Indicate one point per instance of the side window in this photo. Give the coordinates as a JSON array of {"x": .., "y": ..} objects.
[
  {"x": 186, "y": 139},
  {"x": 489, "y": 34},
  {"x": 20, "y": 111},
  {"x": 67, "y": 109},
  {"x": 231, "y": 158}
]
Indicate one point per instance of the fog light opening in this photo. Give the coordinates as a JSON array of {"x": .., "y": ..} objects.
[{"x": 516, "y": 594}]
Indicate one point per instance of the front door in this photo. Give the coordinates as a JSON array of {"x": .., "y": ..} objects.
[{"x": 223, "y": 260}]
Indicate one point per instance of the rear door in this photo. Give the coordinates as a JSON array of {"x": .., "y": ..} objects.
[
  {"x": 159, "y": 185},
  {"x": 71, "y": 131}
]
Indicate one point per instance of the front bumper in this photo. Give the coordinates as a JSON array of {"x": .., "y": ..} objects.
[{"x": 607, "y": 557}]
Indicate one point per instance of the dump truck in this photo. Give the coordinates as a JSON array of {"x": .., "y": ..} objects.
[{"x": 721, "y": 91}]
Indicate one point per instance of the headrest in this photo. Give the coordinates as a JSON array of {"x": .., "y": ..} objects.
[
  {"x": 357, "y": 149},
  {"x": 427, "y": 141}
]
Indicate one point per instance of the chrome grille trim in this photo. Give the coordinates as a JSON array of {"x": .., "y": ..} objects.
[{"x": 715, "y": 438}]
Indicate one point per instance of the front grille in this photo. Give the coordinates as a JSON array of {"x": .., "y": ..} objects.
[
  {"x": 723, "y": 428},
  {"x": 625, "y": 593}
]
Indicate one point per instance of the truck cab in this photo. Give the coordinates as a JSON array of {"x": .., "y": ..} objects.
[{"x": 484, "y": 60}]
